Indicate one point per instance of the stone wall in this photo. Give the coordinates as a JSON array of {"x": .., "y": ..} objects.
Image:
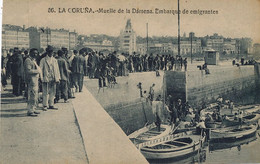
[
  {"x": 131, "y": 115},
  {"x": 176, "y": 84},
  {"x": 198, "y": 88},
  {"x": 227, "y": 82},
  {"x": 123, "y": 102}
]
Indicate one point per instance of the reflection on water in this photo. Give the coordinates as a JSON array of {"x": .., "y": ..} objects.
[{"x": 214, "y": 146}]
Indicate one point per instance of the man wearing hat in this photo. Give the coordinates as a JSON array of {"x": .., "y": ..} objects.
[
  {"x": 70, "y": 80},
  {"x": 78, "y": 69},
  {"x": 51, "y": 76},
  {"x": 62, "y": 87},
  {"x": 17, "y": 72},
  {"x": 32, "y": 74}
]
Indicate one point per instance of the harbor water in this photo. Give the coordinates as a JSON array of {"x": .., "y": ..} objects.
[
  {"x": 245, "y": 150},
  {"x": 242, "y": 151}
]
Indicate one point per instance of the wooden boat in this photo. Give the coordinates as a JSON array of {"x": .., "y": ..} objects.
[
  {"x": 173, "y": 148},
  {"x": 149, "y": 132},
  {"x": 234, "y": 132},
  {"x": 249, "y": 108},
  {"x": 250, "y": 118}
]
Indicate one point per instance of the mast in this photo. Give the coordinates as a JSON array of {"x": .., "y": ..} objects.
[
  {"x": 191, "y": 48},
  {"x": 179, "y": 28},
  {"x": 146, "y": 37}
]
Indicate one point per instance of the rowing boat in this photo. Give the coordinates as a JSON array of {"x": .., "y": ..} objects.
[
  {"x": 149, "y": 132},
  {"x": 233, "y": 133},
  {"x": 249, "y": 119},
  {"x": 173, "y": 148}
]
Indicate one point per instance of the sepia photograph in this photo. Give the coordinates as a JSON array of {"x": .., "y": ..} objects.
[{"x": 130, "y": 81}]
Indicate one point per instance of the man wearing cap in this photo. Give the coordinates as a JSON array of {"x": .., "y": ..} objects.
[
  {"x": 78, "y": 70},
  {"x": 62, "y": 87},
  {"x": 51, "y": 76},
  {"x": 70, "y": 80},
  {"x": 17, "y": 72},
  {"x": 32, "y": 74}
]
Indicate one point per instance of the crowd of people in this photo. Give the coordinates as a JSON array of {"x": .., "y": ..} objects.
[
  {"x": 54, "y": 73},
  {"x": 58, "y": 73}
]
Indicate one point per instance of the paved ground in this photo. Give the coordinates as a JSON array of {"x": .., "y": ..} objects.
[{"x": 52, "y": 137}]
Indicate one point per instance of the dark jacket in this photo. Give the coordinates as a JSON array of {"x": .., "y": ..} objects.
[
  {"x": 17, "y": 65},
  {"x": 64, "y": 68},
  {"x": 79, "y": 65}
]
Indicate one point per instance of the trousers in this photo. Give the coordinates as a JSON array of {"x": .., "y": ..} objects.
[
  {"x": 62, "y": 90},
  {"x": 78, "y": 81},
  {"x": 32, "y": 96},
  {"x": 17, "y": 85},
  {"x": 48, "y": 93}
]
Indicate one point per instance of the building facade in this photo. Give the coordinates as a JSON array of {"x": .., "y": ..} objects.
[
  {"x": 186, "y": 45},
  {"x": 105, "y": 45},
  {"x": 14, "y": 36},
  {"x": 128, "y": 39},
  {"x": 230, "y": 46},
  {"x": 58, "y": 38},
  {"x": 215, "y": 42}
]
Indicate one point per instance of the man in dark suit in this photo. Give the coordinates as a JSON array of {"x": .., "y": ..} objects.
[
  {"x": 78, "y": 69},
  {"x": 17, "y": 72},
  {"x": 62, "y": 87}
]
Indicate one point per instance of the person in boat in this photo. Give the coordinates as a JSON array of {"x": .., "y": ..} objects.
[
  {"x": 190, "y": 118},
  {"x": 214, "y": 115},
  {"x": 202, "y": 114},
  {"x": 158, "y": 122},
  {"x": 179, "y": 108},
  {"x": 200, "y": 128},
  {"x": 208, "y": 118},
  {"x": 185, "y": 109},
  {"x": 197, "y": 115},
  {"x": 231, "y": 106},
  {"x": 174, "y": 115},
  {"x": 240, "y": 116}
]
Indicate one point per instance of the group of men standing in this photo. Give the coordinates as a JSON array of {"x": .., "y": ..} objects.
[
  {"x": 53, "y": 73},
  {"x": 138, "y": 63}
]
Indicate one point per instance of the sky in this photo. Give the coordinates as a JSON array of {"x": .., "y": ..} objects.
[{"x": 235, "y": 18}]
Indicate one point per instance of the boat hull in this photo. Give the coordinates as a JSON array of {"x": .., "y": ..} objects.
[
  {"x": 232, "y": 133},
  {"x": 150, "y": 132},
  {"x": 152, "y": 154}
]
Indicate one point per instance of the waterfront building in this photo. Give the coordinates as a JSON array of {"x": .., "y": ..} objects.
[
  {"x": 73, "y": 37},
  {"x": 230, "y": 46},
  {"x": 96, "y": 46},
  {"x": 215, "y": 42},
  {"x": 58, "y": 38},
  {"x": 256, "y": 49},
  {"x": 14, "y": 36},
  {"x": 128, "y": 39},
  {"x": 141, "y": 48},
  {"x": 188, "y": 43}
]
